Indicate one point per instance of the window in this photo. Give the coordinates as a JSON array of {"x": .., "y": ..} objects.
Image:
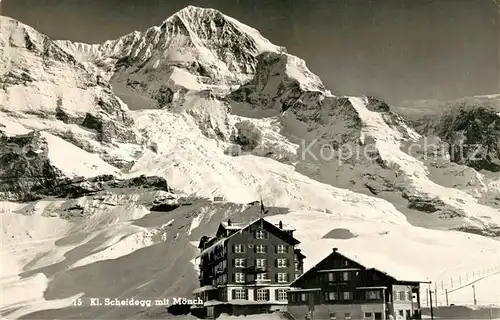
[
  {"x": 239, "y": 263},
  {"x": 260, "y": 263},
  {"x": 239, "y": 277},
  {"x": 303, "y": 297},
  {"x": 238, "y": 248},
  {"x": 260, "y": 248},
  {"x": 409, "y": 296},
  {"x": 378, "y": 315},
  {"x": 282, "y": 263},
  {"x": 348, "y": 295},
  {"x": 368, "y": 315},
  {"x": 262, "y": 294},
  {"x": 281, "y": 294},
  {"x": 240, "y": 294},
  {"x": 402, "y": 295},
  {"x": 346, "y": 276},
  {"x": 331, "y": 296},
  {"x": 260, "y": 234},
  {"x": 281, "y": 248},
  {"x": 372, "y": 295},
  {"x": 401, "y": 313},
  {"x": 333, "y": 316},
  {"x": 347, "y": 316},
  {"x": 408, "y": 313},
  {"x": 331, "y": 277},
  {"x": 261, "y": 276},
  {"x": 282, "y": 277}
]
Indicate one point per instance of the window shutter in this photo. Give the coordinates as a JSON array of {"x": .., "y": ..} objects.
[
  {"x": 286, "y": 248},
  {"x": 255, "y": 248},
  {"x": 287, "y": 263},
  {"x": 234, "y": 249},
  {"x": 233, "y": 277},
  {"x": 265, "y": 248},
  {"x": 233, "y": 294},
  {"x": 287, "y": 277},
  {"x": 244, "y": 262},
  {"x": 276, "y": 277},
  {"x": 275, "y": 249},
  {"x": 233, "y": 262},
  {"x": 268, "y": 294},
  {"x": 255, "y": 294},
  {"x": 276, "y": 294},
  {"x": 276, "y": 263}
]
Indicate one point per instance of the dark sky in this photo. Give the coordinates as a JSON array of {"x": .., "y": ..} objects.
[{"x": 394, "y": 49}]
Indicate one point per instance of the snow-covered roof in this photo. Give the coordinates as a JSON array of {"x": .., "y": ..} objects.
[
  {"x": 232, "y": 226},
  {"x": 285, "y": 227},
  {"x": 379, "y": 262},
  {"x": 237, "y": 227},
  {"x": 204, "y": 288}
]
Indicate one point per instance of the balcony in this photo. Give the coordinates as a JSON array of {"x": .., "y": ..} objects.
[
  {"x": 255, "y": 269},
  {"x": 259, "y": 281}
]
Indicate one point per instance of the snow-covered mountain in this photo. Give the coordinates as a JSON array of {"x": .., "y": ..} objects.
[{"x": 111, "y": 155}]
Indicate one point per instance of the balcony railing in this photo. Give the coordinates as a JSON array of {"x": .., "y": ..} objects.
[
  {"x": 260, "y": 281},
  {"x": 256, "y": 269}
]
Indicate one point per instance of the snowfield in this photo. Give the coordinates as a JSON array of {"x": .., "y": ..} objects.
[{"x": 175, "y": 103}]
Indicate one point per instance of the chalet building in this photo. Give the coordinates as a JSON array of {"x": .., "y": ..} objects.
[
  {"x": 247, "y": 269},
  {"x": 340, "y": 287}
]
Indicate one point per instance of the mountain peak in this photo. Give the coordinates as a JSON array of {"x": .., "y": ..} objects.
[
  {"x": 197, "y": 10},
  {"x": 214, "y": 26}
]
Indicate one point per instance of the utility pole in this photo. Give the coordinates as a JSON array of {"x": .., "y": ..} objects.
[
  {"x": 446, "y": 291},
  {"x": 436, "y": 294},
  {"x": 427, "y": 296},
  {"x": 474, "y": 294},
  {"x": 430, "y": 299}
]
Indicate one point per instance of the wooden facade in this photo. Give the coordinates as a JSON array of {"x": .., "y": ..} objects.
[
  {"x": 340, "y": 288},
  {"x": 247, "y": 269}
]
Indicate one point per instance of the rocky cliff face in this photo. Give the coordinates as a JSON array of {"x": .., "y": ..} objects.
[
  {"x": 25, "y": 169},
  {"x": 46, "y": 88},
  {"x": 469, "y": 126}
]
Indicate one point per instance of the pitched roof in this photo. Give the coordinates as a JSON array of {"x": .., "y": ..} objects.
[
  {"x": 266, "y": 224},
  {"x": 379, "y": 263},
  {"x": 239, "y": 225}
]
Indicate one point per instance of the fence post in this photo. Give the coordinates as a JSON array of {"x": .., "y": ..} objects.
[{"x": 447, "y": 304}]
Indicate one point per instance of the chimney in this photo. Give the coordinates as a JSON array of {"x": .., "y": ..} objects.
[
  {"x": 334, "y": 249},
  {"x": 228, "y": 222},
  {"x": 281, "y": 224}
]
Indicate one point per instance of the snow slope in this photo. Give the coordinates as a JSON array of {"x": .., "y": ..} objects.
[{"x": 217, "y": 110}]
